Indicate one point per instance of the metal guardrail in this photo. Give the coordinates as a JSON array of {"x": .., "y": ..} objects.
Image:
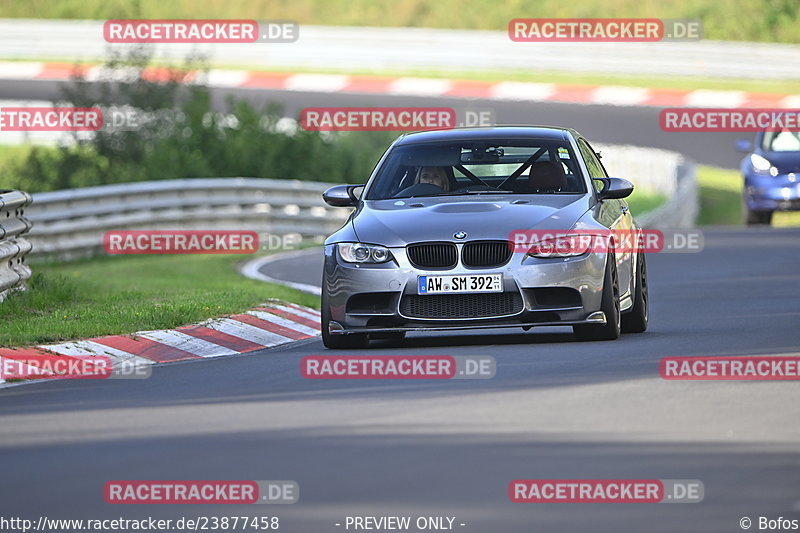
[
  {"x": 71, "y": 223},
  {"x": 652, "y": 169},
  {"x": 661, "y": 171},
  {"x": 681, "y": 210},
  {"x": 14, "y": 272}
]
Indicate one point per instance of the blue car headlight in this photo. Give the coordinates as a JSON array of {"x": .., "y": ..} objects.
[
  {"x": 761, "y": 165},
  {"x": 358, "y": 252}
]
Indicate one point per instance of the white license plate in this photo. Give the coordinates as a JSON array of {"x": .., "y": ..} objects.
[{"x": 463, "y": 283}]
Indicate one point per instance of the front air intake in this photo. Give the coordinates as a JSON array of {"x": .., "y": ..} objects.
[{"x": 460, "y": 306}]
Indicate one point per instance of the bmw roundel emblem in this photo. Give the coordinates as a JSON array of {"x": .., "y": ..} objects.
[{"x": 460, "y": 235}]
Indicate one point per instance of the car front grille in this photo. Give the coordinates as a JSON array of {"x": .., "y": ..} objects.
[
  {"x": 449, "y": 306},
  {"x": 433, "y": 255},
  {"x": 480, "y": 254},
  {"x": 486, "y": 253}
]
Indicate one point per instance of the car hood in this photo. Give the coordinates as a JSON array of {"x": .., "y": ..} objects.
[
  {"x": 398, "y": 222},
  {"x": 785, "y": 162}
]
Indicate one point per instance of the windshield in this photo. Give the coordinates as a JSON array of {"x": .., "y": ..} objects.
[
  {"x": 781, "y": 141},
  {"x": 478, "y": 167}
]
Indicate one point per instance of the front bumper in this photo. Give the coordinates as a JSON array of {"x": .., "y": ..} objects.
[
  {"x": 545, "y": 292},
  {"x": 772, "y": 193}
]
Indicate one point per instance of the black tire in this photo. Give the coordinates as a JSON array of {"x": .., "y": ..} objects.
[
  {"x": 610, "y": 306},
  {"x": 352, "y": 341},
  {"x": 635, "y": 320},
  {"x": 758, "y": 218}
]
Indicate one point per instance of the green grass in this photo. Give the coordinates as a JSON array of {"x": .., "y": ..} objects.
[
  {"x": 721, "y": 199},
  {"x": 114, "y": 295},
  {"x": 743, "y": 20},
  {"x": 786, "y": 219},
  {"x": 720, "y": 196},
  {"x": 642, "y": 201}
]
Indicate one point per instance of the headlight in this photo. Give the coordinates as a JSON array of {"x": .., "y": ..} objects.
[
  {"x": 358, "y": 252},
  {"x": 564, "y": 246},
  {"x": 762, "y": 165}
]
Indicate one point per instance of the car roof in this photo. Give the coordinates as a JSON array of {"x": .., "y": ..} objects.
[{"x": 488, "y": 133}]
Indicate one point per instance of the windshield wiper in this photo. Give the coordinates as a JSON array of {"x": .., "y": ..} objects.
[
  {"x": 425, "y": 195},
  {"x": 493, "y": 191},
  {"x": 459, "y": 193}
]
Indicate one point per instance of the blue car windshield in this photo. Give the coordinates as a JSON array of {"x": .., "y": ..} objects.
[
  {"x": 484, "y": 167},
  {"x": 781, "y": 141}
]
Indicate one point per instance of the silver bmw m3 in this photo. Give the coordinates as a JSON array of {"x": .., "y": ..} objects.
[{"x": 465, "y": 229}]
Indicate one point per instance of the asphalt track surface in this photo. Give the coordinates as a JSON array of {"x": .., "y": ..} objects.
[
  {"x": 556, "y": 409},
  {"x": 602, "y": 124}
]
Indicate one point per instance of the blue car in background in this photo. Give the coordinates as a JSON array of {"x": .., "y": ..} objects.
[{"x": 771, "y": 174}]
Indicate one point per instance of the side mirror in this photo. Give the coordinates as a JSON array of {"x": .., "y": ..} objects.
[
  {"x": 342, "y": 195},
  {"x": 615, "y": 188},
  {"x": 743, "y": 145}
]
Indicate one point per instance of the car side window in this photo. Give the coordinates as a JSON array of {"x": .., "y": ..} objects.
[{"x": 593, "y": 164}]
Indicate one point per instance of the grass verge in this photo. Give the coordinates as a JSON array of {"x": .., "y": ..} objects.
[
  {"x": 642, "y": 201},
  {"x": 720, "y": 196},
  {"x": 115, "y": 295},
  {"x": 745, "y": 20}
]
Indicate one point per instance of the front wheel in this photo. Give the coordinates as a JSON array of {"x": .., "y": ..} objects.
[
  {"x": 610, "y": 306},
  {"x": 759, "y": 218}
]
